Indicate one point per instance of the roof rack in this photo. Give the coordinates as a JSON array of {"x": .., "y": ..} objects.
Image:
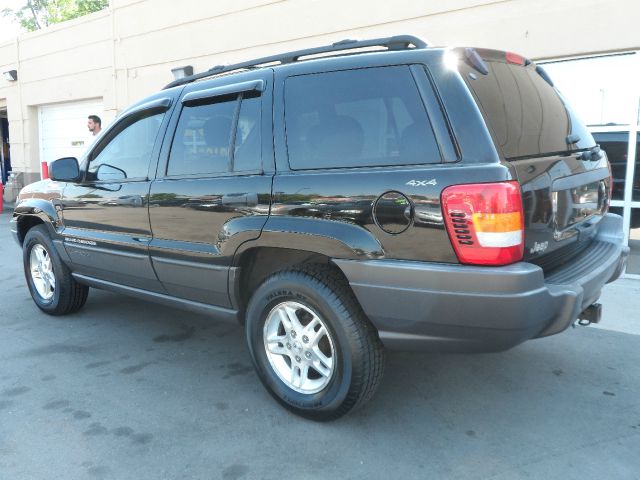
[{"x": 398, "y": 42}]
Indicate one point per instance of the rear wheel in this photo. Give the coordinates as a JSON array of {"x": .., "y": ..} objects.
[
  {"x": 312, "y": 346},
  {"x": 51, "y": 285}
]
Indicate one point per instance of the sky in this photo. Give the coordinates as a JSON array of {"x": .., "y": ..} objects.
[{"x": 9, "y": 29}]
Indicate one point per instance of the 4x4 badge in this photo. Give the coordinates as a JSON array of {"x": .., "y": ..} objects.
[{"x": 421, "y": 183}]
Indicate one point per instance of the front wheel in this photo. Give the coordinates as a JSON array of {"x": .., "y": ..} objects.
[
  {"x": 311, "y": 344},
  {"x": 50, "y": 282}
]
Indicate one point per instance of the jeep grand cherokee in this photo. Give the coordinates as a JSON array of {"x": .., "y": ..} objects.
[{"x": 339, "y": 201}]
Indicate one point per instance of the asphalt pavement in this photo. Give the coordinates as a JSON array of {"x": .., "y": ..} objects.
[{"x": 126, "y": 389}]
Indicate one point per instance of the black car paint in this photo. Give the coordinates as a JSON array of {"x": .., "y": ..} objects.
[
  {"x": 187, "y": 236},
  {"x": 94, "y": 211},
  {"x": 229, "y": 209},
  {"x": 540, "y": 179},
  {"x": 106, "y": 223}
]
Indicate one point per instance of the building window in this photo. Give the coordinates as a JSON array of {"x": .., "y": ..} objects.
[
  {"x": 616, "y": 144},
  {"x": 635, "y": 189},
  {"x": 633, "y": 266}
]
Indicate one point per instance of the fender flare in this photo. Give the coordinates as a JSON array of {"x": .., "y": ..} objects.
[
  {"x": 326, "y": 237},
  {"x": 42, "y": 209}
]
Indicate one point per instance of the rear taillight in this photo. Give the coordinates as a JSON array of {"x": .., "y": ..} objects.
[{"x": 485, "y": 222}]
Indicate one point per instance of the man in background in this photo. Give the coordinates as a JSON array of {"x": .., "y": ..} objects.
[{"x": 94, "y": 124}]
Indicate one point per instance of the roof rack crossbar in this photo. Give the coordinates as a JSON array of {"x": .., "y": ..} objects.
[{"x": 398, "y": 42}]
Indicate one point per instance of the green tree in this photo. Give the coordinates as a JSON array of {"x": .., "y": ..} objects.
[{"x": 37, "y": 14}]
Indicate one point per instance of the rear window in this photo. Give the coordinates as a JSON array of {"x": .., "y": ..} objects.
[
  {"x": 357, "y": 118},
  {"x": 526, "y": 115}
]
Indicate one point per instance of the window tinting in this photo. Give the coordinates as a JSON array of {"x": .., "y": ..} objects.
[
  {"x": 526, "y": 115},
  {"x": 354, "y": 118},
  {"x": 202, "y": 139},
  {"x": 128, "y": 154},
  {"x": 247, "y": 151}
]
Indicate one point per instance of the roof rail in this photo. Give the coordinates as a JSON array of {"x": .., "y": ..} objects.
[{"x": 398, "y": 42}]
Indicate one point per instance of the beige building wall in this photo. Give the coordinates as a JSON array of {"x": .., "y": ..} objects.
[{"x": 126, "y": 52}]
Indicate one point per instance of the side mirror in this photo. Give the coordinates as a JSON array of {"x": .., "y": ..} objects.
[{"x": 65, "y": 170}]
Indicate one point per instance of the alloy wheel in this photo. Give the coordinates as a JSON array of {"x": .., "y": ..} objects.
[
  {"x": 42, "y": 274},
  {"x": 299, "y": 347}
]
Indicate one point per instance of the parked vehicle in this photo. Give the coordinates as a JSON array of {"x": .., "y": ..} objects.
[{"x": 406, "y": 198}]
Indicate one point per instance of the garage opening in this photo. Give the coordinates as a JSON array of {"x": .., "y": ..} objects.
[
  {"x": 5, "y": 150},
  {"x": 63, "y": 129}
]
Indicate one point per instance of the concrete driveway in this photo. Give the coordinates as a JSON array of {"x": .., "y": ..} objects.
[{"x": 131, "y": 390}]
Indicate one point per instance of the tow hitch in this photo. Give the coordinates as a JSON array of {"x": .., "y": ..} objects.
[{"x": 591, "y": 314}]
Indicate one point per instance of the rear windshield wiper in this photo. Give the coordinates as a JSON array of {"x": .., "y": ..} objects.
[{"x": 591, "y": 155}]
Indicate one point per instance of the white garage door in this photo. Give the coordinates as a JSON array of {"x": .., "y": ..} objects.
[{"x": 63, "y": 128}]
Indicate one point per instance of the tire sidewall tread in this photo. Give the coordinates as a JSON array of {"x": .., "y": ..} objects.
[
  {"x": 358, "y": 349},
  {"x": 69, "y": 296}
]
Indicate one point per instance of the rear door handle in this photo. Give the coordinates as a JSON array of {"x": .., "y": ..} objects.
[{"x": 240, "y": 199}]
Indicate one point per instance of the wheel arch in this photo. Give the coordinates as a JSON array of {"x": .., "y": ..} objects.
[
  {"x": 255, "y": 264},
  {"x": 288, "y": 241},
  {"x": 32, "y": 212}
]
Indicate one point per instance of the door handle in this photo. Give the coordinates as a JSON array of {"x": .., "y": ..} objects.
[{"x": 240, "y": 199}]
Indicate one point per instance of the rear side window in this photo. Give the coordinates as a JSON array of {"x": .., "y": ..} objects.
[
  {"x": 203, "y": 136},
  {"x": 357, "y": 118},
  {"x": 216, "y": 138},
  {"x": 248, "y": 141}
]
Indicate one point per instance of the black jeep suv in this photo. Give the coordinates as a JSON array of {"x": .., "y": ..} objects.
[{"x": 339, "y": 200}]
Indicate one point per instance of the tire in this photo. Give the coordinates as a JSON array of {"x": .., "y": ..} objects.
[
  {"x": 51, "y": 285},
  {"x": 328, "y": 364}
]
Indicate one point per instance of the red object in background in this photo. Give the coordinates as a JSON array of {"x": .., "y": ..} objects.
[
  {"x": 1, "y": 194},
  {"x": 45, "y": 170}
]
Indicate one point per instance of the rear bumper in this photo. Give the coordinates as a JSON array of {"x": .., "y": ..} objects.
[{"x": 445, "y": 307}]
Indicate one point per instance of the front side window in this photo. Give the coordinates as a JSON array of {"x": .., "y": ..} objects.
[
  {"x": 356, "y": 118},
  {"x": 128, "y": 154}
]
